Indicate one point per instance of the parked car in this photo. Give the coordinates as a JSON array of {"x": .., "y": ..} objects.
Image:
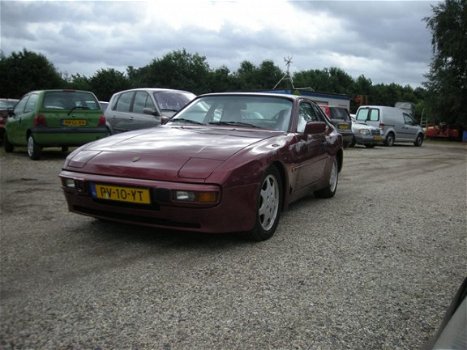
[
  {"x": 54, "y": 118},
  {"x": 340, "y": 118},
  {"x": 395, "y": 124},
  {"x": 227, "y": 162},
  {"x": 366, "y": 135},
  {"x": 143, "y": 108},
  {"x": 6, "y": 105}
]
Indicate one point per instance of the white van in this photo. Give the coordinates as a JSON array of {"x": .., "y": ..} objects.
[{"x": 395, "y": 124}]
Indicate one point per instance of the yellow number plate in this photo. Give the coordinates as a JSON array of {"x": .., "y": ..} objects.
[
  {"x": 122, "y": 194},
  {"x": 378, "y": 138},
  {"x": 74, "y": 122},
  {"x": 343, "y": 126}
]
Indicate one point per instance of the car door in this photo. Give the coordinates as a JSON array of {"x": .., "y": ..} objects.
[
  {"x": 309, "y": 151},
  {"x": 22, "y": 119},
  {"x": 410, "y": 128},
  {"x": 121, "y": 118},
  {"x": 143, "y": 120}
]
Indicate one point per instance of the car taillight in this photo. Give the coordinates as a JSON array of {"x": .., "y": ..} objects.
[
  {"x": 39, "y": 120},
  {"x": 101, "y": 121}
]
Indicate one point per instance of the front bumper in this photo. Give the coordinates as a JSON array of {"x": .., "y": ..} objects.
[{"x": 235, "y": 212}]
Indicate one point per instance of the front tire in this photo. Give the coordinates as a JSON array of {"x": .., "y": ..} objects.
[
  {"x": 269, "y": 203},
  {"x": 34, "y": 150},
  {"x": 419, "y": 140},
  {"x": 330, "y": 190},
  {"x": 7, "y": 145}
]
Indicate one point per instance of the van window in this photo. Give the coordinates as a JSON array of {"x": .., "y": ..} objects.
[
  {"x": 408, "y": 120},
  {"x": 362, "y": 114},
  {"x": 374, "y": 115}
]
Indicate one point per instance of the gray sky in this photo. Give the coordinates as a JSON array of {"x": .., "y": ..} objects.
[{"x": 387, "y": 41}]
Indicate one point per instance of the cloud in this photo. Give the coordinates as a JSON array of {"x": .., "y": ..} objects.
[{"x": 387, "y": 41}]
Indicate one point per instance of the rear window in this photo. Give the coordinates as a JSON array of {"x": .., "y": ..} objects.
[
  {"x": 339, "y": 113},
  {"x": 367, "y": 114},
  {"x": 68, "y": 100}
]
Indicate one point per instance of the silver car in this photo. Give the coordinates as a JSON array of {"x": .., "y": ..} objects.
[
  {"x": 143, "y": 108},
  {"x": 366, "y": 135}
]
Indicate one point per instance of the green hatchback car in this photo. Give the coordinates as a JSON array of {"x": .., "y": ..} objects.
[{"x": 54, "y": 118}]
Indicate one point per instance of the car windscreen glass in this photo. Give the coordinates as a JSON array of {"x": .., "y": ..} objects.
[
  {"x": 254, "y": 111},
  {"x": 70, "y": 100},
  {"x": 172, "y": 101}
]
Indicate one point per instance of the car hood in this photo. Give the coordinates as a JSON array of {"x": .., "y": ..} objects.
[{"x": 164, "y": 153}]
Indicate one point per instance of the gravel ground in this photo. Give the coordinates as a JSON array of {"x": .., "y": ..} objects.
[{"x": 373, "y": 268}]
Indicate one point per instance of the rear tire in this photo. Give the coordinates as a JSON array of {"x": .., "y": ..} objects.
[
  {"x": 7, "y": 145},
  {"x": 370, "y": 146},
  {"x": 330, "y": 190},
  {"x": 389, "y": 140},
  {"x": 269, "y": 204},
  {"x": 34, "y": 150}
]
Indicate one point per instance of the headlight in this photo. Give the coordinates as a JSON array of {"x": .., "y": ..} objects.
[
  {"x": 202, "y": 197},
  {"x": 364, "y": 131}
]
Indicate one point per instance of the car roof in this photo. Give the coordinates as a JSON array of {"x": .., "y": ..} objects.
[
  {"x": 154, "y": 90},
  {"x": 266, "y": 94}
]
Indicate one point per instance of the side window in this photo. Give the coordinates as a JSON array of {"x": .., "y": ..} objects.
[
  {"x": 142, "y": 100},
  {"x": 124, "y": 102},
  {"x": 19, "y": 108},
  {"x": 374, "y": 115},
  {"x": 408, "y": 119},
  {"x": 306, "y": 114},
  {"x": 31, "y": 104}
]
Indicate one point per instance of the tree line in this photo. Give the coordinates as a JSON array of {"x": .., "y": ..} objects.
[{"x": 442, "y": 98}]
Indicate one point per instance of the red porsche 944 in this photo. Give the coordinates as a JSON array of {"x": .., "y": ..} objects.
[{"x": 227, "y": 162}]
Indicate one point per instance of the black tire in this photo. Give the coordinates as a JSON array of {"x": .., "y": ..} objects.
[
  {"x": 34, "y": 150},
  {"x": 64, "y": 149},
  {"x": 389, "y": 140},
  {"x": 370, "y": 146},
  {"x": 419, "y": 140},
  {"x": 7, "y": 145},
  {"x": 269, "y": 204},
  {"x": 330, "y": 190},
  {"x": 354, "y": 142}
]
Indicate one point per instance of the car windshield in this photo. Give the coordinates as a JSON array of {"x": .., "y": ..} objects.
[
  {"x": 266, "y": 112},
  {"x": 172, "y": 100},
  {"x": 70, "y": 100}
]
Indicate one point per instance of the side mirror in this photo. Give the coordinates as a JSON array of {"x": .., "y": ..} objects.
[
  {"x": 151, "y": 111},
  {"x": 315, "y": 128},
  {"x": 164, "y": 119}
]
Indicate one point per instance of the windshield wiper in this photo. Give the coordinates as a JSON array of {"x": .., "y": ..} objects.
[
  {"x": 235, "y": 124},
  {"x": 77, "y": 107},
  {"x": 186, "y": 120}
]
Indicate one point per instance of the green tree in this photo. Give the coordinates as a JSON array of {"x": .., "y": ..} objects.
[
  {"x": 447, "y": 79},
  {"x": 108, "y": 81},
  {"x": 26, "y": 71},
  {"x": 176, "y": 70},
  {"x": 79, "y": 82}
]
